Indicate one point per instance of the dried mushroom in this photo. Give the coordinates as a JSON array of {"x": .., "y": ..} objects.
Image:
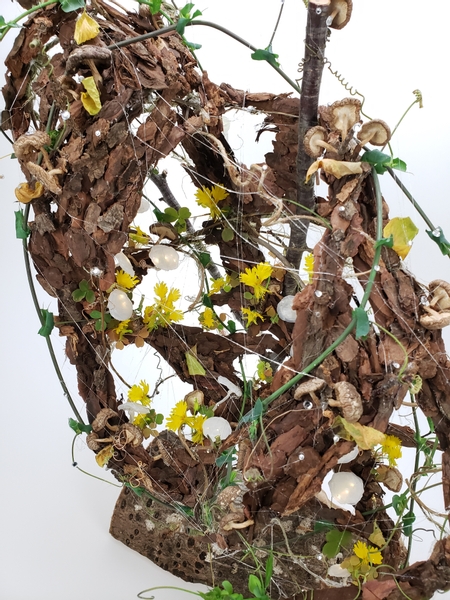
[
  {"x": 128, "y": 435},
  {"x": 343, "y": 114},
  {"x": 164, "y": 231},
  {"x": 375, "y": 132},
  {"x": 25, "y": 145},
  {"x": 102, "y": 418},
  {"x": 434, "y": 320},
  {"x": 340, "y": 13},
  {"x": 348, "y": 400},
  {"x": 315, "y": 142},
  {"x": 46, "y": 177},
  {"x": 441, "y": 294},
  {"x": 308, "y": 387},
  {"x": 438, "y": 312}
]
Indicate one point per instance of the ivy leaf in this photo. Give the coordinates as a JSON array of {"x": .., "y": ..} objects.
[
  {"x": 366, "y": 437},
  {"x": 79, "y": 427},
  {"x": 381, "y": 161},
  {"x": 70, "y": 5},
  {"x": 49, "y": 323},
  {"x": 206, "y": 301},
  {"x": 336, "y": 539},
  {"x": 408, "y": 521},
  {"x": 22, "y": 230},
  {"x": 398, "y": 164},
  {"x": 192, "y": 45},
  {"x": 403, "y": 231},
  {"x": 193, "y": 364},
  {"x": 231, "y": 326},
  {"x": 362, "y": 322},
  {"x": 267, "y": 55},
  {"x": 227, "y": 234},
  {"x": 438, "y": 237},
  {"x": 399, "y": 503},
  {"x": 255, "y": 413},
  {"x": 204, "y": 258},
  {"x": 90, "y": 99},
  {"x": 86, "y": 28},
  {"x": 186, "y": 18},
  {"x": 161, "y": 216}
]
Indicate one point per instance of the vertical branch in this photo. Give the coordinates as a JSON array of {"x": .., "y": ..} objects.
[{"x": 316, "y": 36}]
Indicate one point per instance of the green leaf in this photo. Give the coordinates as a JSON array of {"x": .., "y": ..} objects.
[
  {"x": 389, "y": 242},
  {"x": 181, "y": 24},
  {"x": 255, "y": 586},
  {"x": 408, "y": 521},
  {"x": 255, "y": 413},
  {"x": 154, "y": 6},
  {"x": 204, "y": 258},
  {"x": 438, "y": 237},
  {"x": 161, "y": 217},
  {"x": 79, "y": 427},
  {"x": 70, "y": 5},
  {"x": 398, "y": 164},
  {"x": 320, "y": 526},
  {"x": 227, "y": 234},
  {"x": 22, "y": 230},
  {"x": 185, "y": 11},
  {"x": 171, "y": 214},
  {"x": 362, "y": 323},
  {"x": 184, "y": 213},
  {"x": 225, "y": 457},
  {"x": 95, "y": 314},
  {"x": 267, "y": 55},
  {"x": 90, "y": 296},
  {"x": 83, "y": 285},
  {"x": 49, "y": 323},
  {"x": 399, "y": 503},
  {"x": 231, "y": 326},
  {"x": 192, "y": 45},
  {"x": 227, "y": 587},
  {"x": 248, "y": 295},
  {"x": 78, "y": 295},
  {"x": 269, "y": 570},
  {"x": 336, "y": 539},
  {"x": 206, "y": 301},
  {"x": 381, "y": 161},
  {"x": 193, "y": 365}
]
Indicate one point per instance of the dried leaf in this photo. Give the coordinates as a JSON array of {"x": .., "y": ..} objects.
[
  {"x": 90, "y": 99},
  {"x": 338, "y": 168},
  {"x": 86, "y": 28},
  {"x": 377, "y": 536},
  {"x": 104, "y": 455},
  {"x": 366, "y": 437},
  {"x": 390, "y": 477},
  {"x": 24, "y": 193},
  {"x": 193, "y": 365},
  {"x": 403, "y": 231}
]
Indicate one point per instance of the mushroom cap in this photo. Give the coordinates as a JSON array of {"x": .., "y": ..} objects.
[
  {"x": 344, "y": 8},
  {"x": 312, "y": 136},
  {"x": 377, "y": 132},
  {"x": 311, "y": 385},
  {"x": 30, "y": 141},
  {"x": 47, "y": 180},
  {"x": 435, "y": 321},
  {"x": 164, "y": 230},
  {"x": 344, "y": 114},
  {"x": 441, "y": 288}
]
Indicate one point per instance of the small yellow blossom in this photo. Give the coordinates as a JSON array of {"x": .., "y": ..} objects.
[
  {"x": 367, "y": 554},
  {"x": 163, "y": 311},
  {"x": 86, "y": 28},
  {"x": 392, "y": 448},
  {"x": 209, "y": 197},
  {"x": 255, "y": 277},
  {"x": 139, "y": 393},
  {"x": 177, "y": 417},
  {"x": 196, "y": 424},
  {"x": 219, "y": 284},
  {"x": 139, "y": 237},
  {"x": 251, "y": 316},
  {"x": 123, "y": 328},
  {"x": 309, "y": 266},
  {"x": 208, "y": 319},
  {"x": 126, "y": 281}
]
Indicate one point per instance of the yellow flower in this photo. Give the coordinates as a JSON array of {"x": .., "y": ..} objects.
[
  {"x": 209, "y": 197},
  {"x": 126, "y": 281},
  {"x": 367, "y": 554},
  {"x": 86, "y": 28},
  {"x": 208, "y": 319},
  {"x": 163, "y": 311},
  {"x": 196, "y": 424},
  {"x": 139, "y": 237},
  {"x": 392, "y": 448},
  {"x": 139, "y": 393},
  {"x": 251, "y": 316},
  {"x": 90, "y": 99},
  {"x": 309, "y": 266},
  {"x": 177, "y": 417},
  {"x": 219, "y": 284},
  {"x": 123, "y": 328},
  {"x": 254, "y": 278}
]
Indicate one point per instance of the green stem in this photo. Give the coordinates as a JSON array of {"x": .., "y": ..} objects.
[
  {"x": 11, "y": 24},
  {"x": 236, "y": 37},
  {"x": 276, "y": 24},
  {"x": 75, "y": 464},
  {"x": 164, "y": 587},
  {"x": 386, "y": 506}
]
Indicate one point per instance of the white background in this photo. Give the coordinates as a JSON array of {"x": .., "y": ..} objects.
[{"x": 54, "y": 520}]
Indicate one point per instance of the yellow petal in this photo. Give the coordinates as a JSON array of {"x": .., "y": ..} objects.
[
  {"x": 91, "y": 98},
  {"x": 338, "y": 168},
  {"x": 86, "y": 29},
  {"x": 403, "y": 232},
  {"x": 26, "y": 194}
]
